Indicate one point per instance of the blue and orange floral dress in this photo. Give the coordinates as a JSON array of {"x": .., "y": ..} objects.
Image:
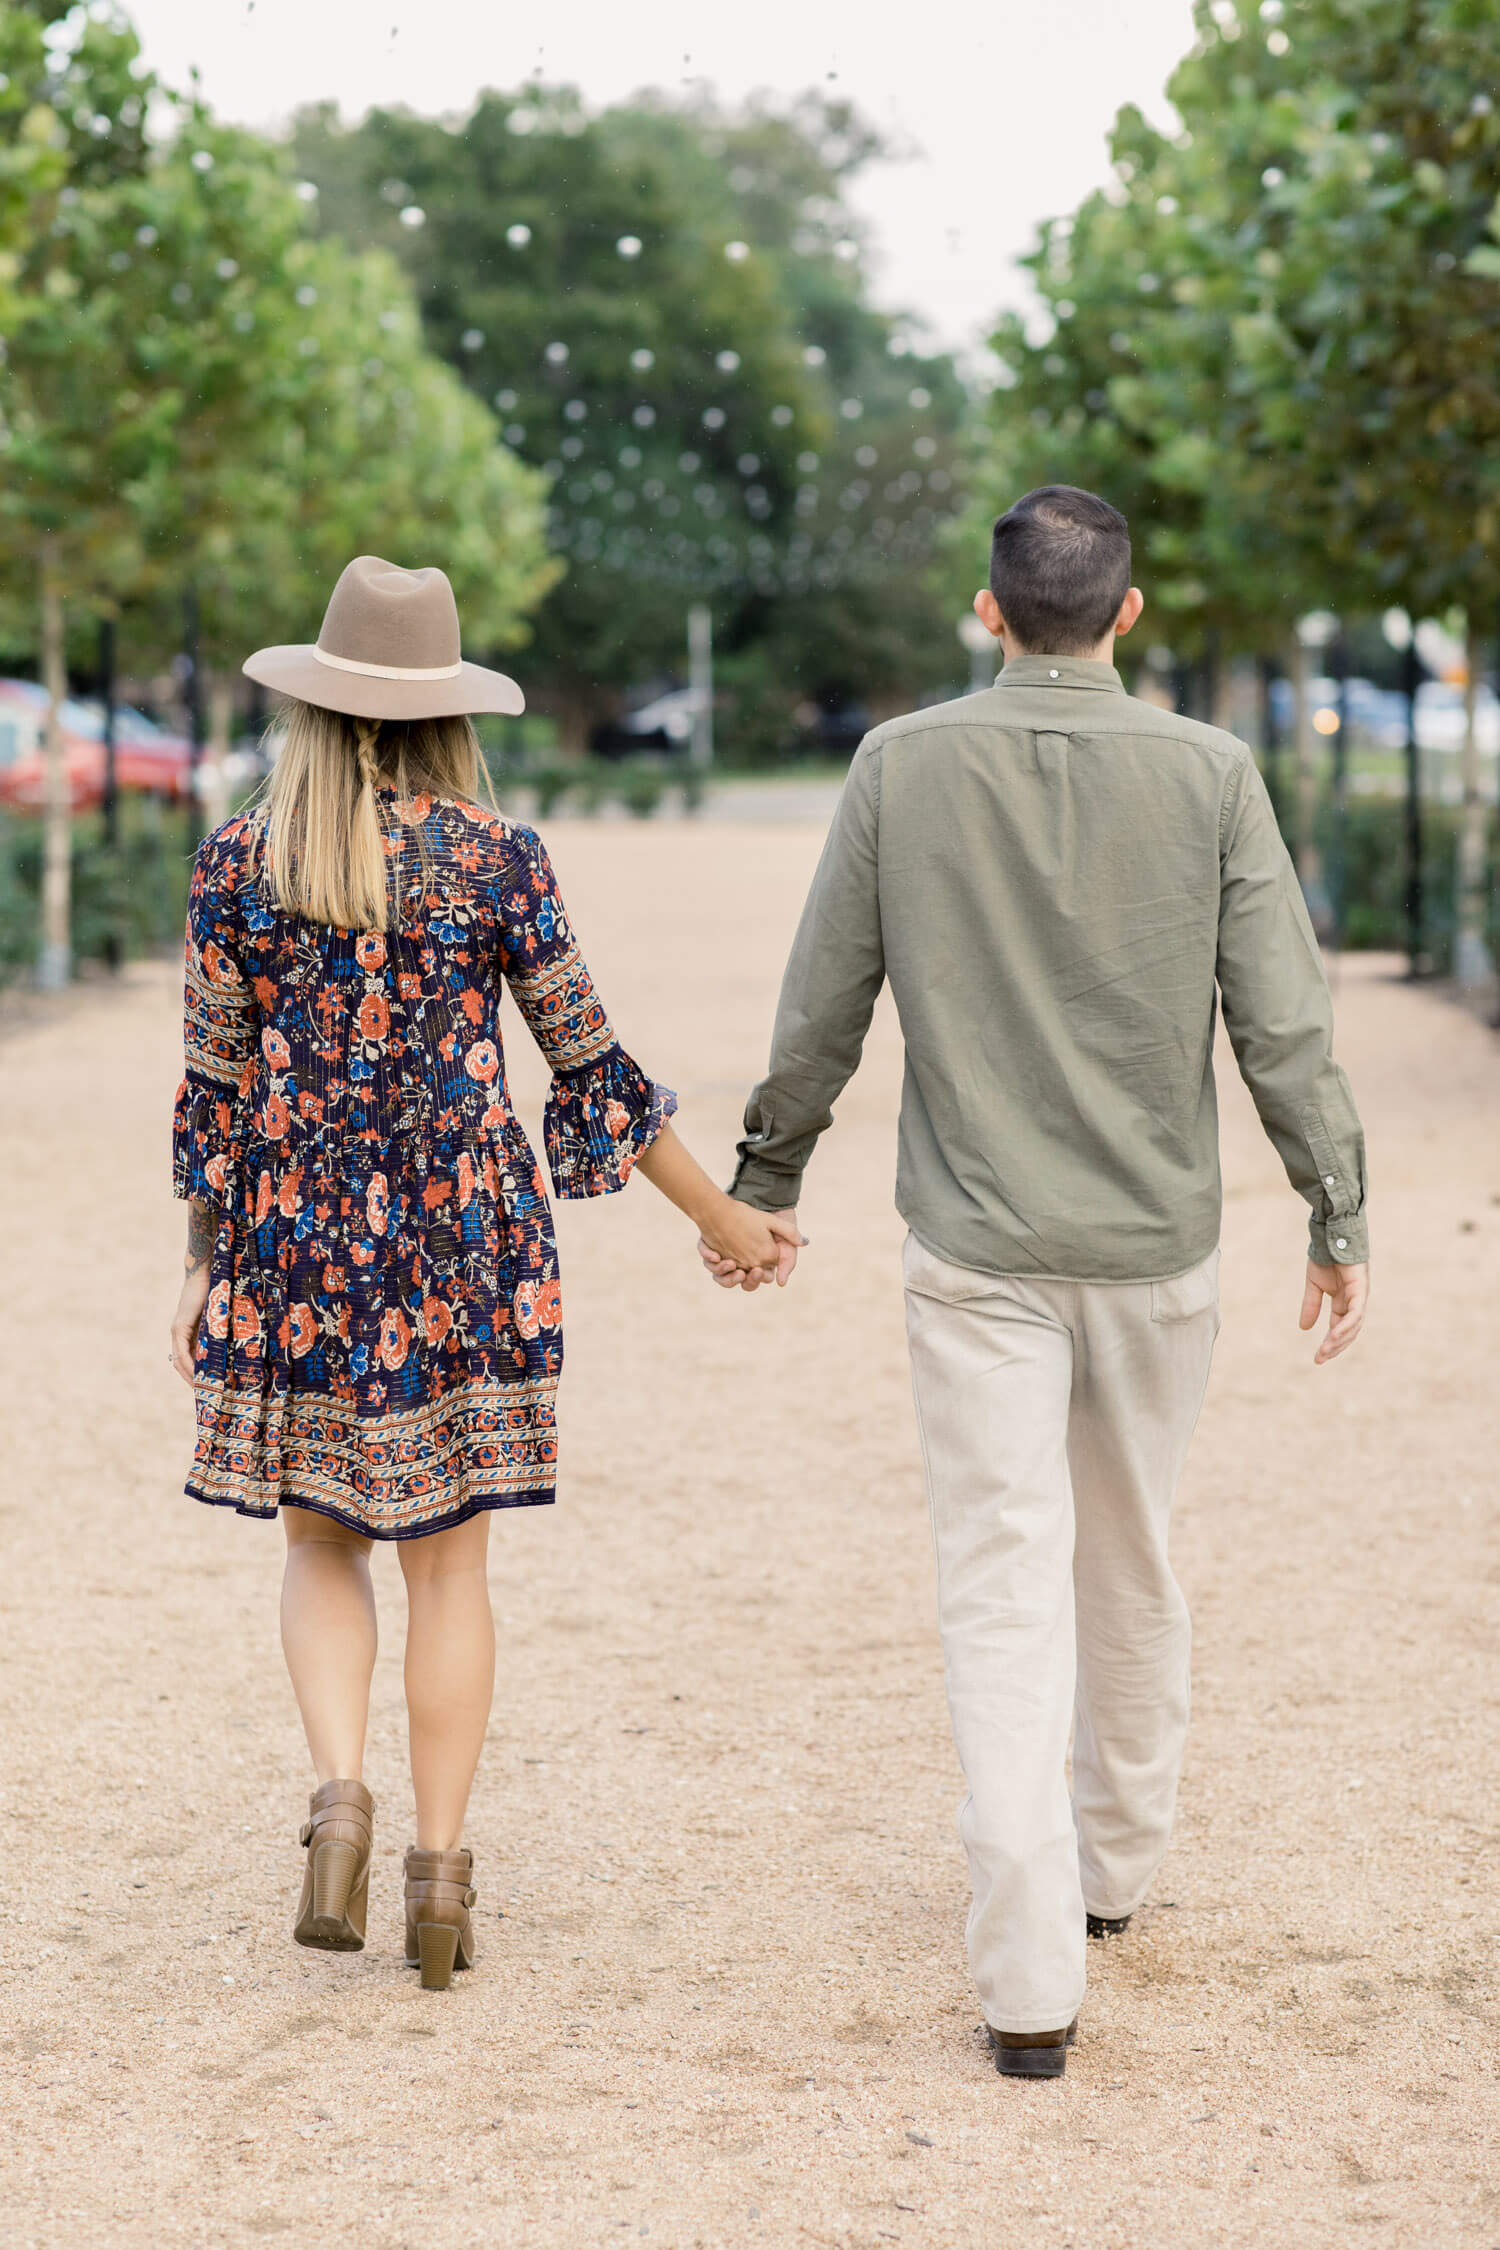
[{"x": 383, "y": 1335}]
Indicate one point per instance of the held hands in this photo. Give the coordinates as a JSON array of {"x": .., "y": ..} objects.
[
  {"x": 1347, "y": 1289},
  {"x": 725, "y": 1257},
  {"x": 741, "y": 1247}
]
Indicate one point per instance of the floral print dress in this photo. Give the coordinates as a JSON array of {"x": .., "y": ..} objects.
[{"x": 383, "y": 1335}]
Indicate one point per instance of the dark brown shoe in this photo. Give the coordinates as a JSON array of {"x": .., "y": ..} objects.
[
  {"x": 1032, "y": 2054},
  {"x": 439, "y": 1927},
  {"x": 1100, "y": 1925},
  {"x": 336, "y": 1884}
]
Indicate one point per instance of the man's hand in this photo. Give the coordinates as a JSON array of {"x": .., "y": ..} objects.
[
  {"x": 1347, "y": 1289},
  {"x": 789, "y": 1239}
]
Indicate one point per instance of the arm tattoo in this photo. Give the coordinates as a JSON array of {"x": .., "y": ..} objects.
[{"x": 203, "y": 1232}]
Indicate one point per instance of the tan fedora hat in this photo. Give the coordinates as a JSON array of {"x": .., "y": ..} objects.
[{"x": 387, "y": 649}]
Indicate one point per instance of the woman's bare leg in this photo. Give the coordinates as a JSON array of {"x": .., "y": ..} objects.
[
  {"x": 328, "y": 1634},
  {"x": 450, "y": 1673}
]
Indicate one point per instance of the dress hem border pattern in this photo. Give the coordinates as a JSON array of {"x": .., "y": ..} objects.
[{"x": 485, "y": 1504}]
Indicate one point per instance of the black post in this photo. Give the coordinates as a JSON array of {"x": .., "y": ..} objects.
[
  {"x": 1411, "y": 680},
  {"x": 1270, "y": 735},
  {"x": 192, "y": 688},
  {"x": 111, "y": 800},
  {"x": 114, "y": 943},
  {"x": 1339, "y": 657}
]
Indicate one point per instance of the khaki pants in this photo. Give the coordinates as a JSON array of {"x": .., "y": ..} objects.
[{"x": 1055, "y": 1417}]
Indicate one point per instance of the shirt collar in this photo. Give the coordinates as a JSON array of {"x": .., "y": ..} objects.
[{"x": 1061, "y": 671}]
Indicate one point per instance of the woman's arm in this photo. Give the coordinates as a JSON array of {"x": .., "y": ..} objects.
[
  {"x": 732, "y": 1230},
  {"x": 203, "y": 1231}
]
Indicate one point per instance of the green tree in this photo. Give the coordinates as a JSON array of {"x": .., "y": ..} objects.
[
  {"x": 71, "y": 450},
  {"x": 202, "y": 400},
  {"x": 1273, "y": 337},
  {"x": 664, "y": 305},
  {"x": 311, "y": 423}
]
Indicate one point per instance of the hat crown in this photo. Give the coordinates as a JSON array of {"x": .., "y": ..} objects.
[{"x": 382, "y": 615}]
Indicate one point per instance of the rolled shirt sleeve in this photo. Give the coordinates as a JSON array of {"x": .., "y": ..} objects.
[
  {"x": 1279, "y": 1018},
  {"x": 828, "y": 994}
]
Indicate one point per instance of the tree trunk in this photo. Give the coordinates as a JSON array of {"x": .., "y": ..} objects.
[
  {"x": 114, "y": 936},
  {"x": 192, "y": 692},
  {"x": 1221, "y": 689},
  {"x": 1472, "y": 964},
  {"x": 215, "y": 769},
  {"x": 1411, "y": 680},
  {"x": 55, "y": 956}
]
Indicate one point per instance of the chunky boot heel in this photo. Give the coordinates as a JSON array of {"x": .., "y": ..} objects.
[
  {"x": 437, "y": 1948},
  {"x": 336, "y": 1884},
  {"x": 334, "y": 1867},
  {"x": 439, "y": 1927},
  {"x": 1032, "y": 2054}
]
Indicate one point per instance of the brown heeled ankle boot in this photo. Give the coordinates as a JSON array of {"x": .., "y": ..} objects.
[
  {"x": 336, "y": 1886},
  {"x": 439, "y": 1930}
]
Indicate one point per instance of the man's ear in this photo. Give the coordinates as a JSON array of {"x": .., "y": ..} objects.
[
  {"x": 987, "y": 610},
  {"x": 1130, "y": 610}
]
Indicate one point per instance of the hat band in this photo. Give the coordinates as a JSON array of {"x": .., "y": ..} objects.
[{"x": 390, "y": 671}]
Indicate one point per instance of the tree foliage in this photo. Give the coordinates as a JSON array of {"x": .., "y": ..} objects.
[
  {"x": 666, "y": 305},
  {"x": 1273, "y": 337},
  {"x": 198, "y": 398},
  {"x": 196, "y": 390}
]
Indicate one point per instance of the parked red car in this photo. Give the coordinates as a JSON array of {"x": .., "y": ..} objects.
[{"x": 146, "y": 756}]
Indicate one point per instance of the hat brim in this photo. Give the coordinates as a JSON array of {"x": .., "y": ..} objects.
[{"x": 295, "y": 669}]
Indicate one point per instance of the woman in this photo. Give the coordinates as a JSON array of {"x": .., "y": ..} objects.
[{"x": 371, "y": 1316}]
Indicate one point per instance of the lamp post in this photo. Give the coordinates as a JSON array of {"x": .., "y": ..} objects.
[
  {"x": 1400, "y": 635},
  {"x": 700, "y": 626},
  {"x": 1313, "y": 634},
  {"x": 1473, "y": 964},
  {"x": 981, "y": 645}
]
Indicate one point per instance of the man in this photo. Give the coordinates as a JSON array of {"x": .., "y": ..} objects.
[{"x": 1055, "y": 877}]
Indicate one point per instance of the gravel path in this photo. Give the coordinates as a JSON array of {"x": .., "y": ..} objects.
[{"x": 721, "y": 1997}]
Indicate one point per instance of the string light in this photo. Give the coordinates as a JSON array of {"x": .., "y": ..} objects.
[{"x": 844, "y": 531}]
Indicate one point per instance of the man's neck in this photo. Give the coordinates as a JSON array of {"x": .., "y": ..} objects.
[{"x": 1102, "y": 653}]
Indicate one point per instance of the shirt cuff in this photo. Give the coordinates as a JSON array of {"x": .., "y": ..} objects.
[
  {"x": 763, "y": 1187},
  {"x": 1339, "y": 1241}
]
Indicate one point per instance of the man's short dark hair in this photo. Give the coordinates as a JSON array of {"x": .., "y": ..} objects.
[{"x": 1060, "y": 568}]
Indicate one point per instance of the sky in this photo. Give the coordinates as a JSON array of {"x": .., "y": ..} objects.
[{"x": 1001, "y": 111}]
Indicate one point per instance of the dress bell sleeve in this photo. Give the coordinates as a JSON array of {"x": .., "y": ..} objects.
[
  {"x": 603, "y": 1112},
  {"x": 219, "y": 1034}
]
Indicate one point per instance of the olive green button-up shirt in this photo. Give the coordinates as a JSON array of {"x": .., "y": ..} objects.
[{"x": 1058, "y": 881}]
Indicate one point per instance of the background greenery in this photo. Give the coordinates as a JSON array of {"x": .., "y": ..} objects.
[{"x": 609, "y": 363}]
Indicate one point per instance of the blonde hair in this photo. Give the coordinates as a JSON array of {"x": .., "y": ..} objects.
[{"x": 322, "y": 834}]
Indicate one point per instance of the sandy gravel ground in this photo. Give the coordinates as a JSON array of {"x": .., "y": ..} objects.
[{"x": 721, "y": 1997}]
